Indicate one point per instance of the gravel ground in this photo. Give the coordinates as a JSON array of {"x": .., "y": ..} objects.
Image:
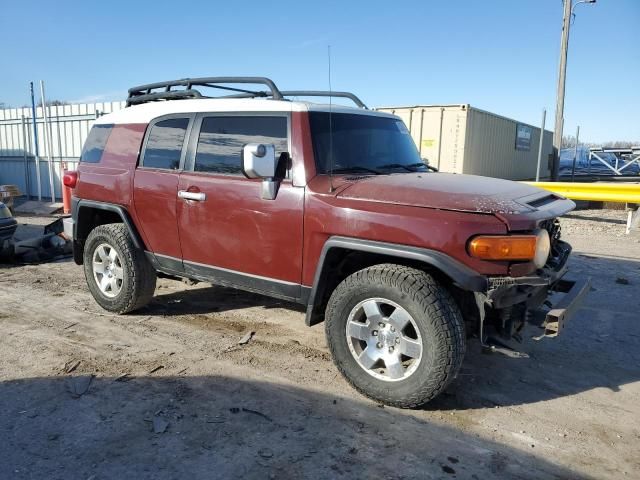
[{"x": 172, "y": 394}]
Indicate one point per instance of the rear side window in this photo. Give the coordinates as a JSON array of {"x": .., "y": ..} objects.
[
  {"x": 222, "y": 138},
  {"x": 94, "y": 145},
  {"x": 164, "y": 145}
]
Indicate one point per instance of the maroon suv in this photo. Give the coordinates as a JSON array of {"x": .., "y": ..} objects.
[{"x": 324, "y": 205}]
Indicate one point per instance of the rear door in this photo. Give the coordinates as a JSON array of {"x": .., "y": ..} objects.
[
  {"x": 227, "y": 231},
  {"x": 155, "y": 186}
]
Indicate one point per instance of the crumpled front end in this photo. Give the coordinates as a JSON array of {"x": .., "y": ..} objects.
[{"x": 512, "y": 301}]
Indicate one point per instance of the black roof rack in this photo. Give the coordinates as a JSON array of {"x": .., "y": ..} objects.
[
  {"x": 163, "y": 90},
  {"x": 146, "y": 93},
  {"x": 324, "y": 93},
  {"x": 310, "y": 93}
]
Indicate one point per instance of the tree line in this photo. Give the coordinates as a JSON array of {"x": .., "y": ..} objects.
[{"x": 569, "y": 141}]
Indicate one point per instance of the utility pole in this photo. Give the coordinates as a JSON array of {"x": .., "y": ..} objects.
[{"x": 562, "y": 74}]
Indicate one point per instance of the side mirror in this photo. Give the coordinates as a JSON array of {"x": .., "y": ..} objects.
[{"x": 259, "y": 161}]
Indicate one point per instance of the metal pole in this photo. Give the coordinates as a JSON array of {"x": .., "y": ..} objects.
[
  {"x": 562, "y": 72},
  {"x": 544, "y": 117},
  {"x": 47, "y": 139},
  {"x": 35, "y": 142},
  {"x": 575, "y": 153},
  {"x": 24, "y": 152}
]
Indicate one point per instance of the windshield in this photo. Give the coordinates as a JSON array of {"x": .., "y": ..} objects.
[{"x": 363, "y": 144}]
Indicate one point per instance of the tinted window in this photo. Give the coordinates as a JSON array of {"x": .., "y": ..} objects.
[
  {"x": 360, "y": 142},
  {"x": 164, "y": 145},
  {"x": 94, "y": 145},
  {"x": 222, "y": 138}
]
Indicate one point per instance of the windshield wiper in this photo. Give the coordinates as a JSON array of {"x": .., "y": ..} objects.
[
  {"x": 356, "y": 168},
  {"x": 410, "y": 167}
]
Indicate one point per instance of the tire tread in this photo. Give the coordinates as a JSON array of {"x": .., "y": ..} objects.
[{"x": 436, "y": 302}]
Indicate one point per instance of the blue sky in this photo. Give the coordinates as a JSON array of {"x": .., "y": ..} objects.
[{"x": 499, "y": 55}]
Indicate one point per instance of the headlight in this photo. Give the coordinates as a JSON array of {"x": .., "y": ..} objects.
[{"x": 543, "y": 248}]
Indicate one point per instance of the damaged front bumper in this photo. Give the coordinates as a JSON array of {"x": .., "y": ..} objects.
[
  {"x": 533, "y": 292},
  {"x": 566, "y": 307}
]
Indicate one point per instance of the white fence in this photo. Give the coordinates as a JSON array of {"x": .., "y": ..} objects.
[{"x": 67, "y": 129}]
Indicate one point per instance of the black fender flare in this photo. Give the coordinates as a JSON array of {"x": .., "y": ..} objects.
[
  {"x": 461, "y": 275},
  {"x": 77, "y": 207}
]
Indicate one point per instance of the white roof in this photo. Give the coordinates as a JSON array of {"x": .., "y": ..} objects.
[{"x": 146, "y": 112}]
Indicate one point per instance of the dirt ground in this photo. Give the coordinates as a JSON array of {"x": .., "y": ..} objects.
[{"x": 173, "y": 395}]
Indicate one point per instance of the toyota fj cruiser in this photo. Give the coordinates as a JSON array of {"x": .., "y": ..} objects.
[{"x": 325, "y": 205}]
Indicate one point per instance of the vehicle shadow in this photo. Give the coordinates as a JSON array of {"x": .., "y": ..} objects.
[
  {"x": 209, "y": 299},
  {"x": 599, "y": 347},
  {"x": 227, "y": 427}
]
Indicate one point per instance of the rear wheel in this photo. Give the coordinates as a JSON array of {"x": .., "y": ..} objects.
[
  {"x": 119, "y": 276},
  {"x": 396, "y": 334}
]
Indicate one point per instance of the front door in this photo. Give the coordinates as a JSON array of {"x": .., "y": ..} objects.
[
  {"x": 155, "y": 187},
  {"x": 227, "y": 231}
]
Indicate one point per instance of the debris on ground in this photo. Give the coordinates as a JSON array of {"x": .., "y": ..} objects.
[
  {"x": 49, "y": 245},
  {"x": 71, "y": 365},
  {"x": 622, "y": 281},
  {"x": 154, "y": 370},
  {"x": 255, "y": 412},
  {"x": 246, "y": 338},
  {"x": 160, "y": 425},
  {"x": 78, "y": 386},
  {"x": 265, "y": 453}
]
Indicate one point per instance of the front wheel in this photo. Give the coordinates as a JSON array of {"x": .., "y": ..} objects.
[
  {"x": 396, "y": 334},
  {"x": 119, "y": 276}
]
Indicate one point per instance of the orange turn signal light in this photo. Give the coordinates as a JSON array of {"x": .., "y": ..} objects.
[{"x": 513, "y": 247}]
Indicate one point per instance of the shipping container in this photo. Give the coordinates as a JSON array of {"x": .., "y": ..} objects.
[{"x": 465, "y": 139}]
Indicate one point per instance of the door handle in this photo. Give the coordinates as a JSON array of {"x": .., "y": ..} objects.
[{"x": 197, "y": 196}]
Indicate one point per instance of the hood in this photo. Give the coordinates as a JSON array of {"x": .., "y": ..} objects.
[{"x": 467, "y": 193}]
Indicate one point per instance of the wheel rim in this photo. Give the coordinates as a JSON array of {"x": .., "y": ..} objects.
[
  {"x": 107, "y": 270},
  {"x": 384, "y": 339}
]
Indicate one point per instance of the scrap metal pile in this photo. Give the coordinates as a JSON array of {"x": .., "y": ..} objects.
[{"x": 51, "y": 244}]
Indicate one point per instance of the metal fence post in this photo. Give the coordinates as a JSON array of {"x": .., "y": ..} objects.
[
  {"x": 47, "y": 141},
  {"x": 24, "y": 151},
  {"x": 35, "y": 142}
]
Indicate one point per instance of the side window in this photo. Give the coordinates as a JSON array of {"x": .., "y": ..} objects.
[
  {"x": 94, "y": 145},
  {"x": 164, "y": 145},
  {"x": 222, "y": 138}
]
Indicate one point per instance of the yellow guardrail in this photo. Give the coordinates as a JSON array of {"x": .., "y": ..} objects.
[{"x": 596, "y": 192}]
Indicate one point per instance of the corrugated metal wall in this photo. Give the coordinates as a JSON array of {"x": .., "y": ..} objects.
[
  {"x": 463, "y": 139},
  {"x": 490, "y": 148},
  {"x": 69, "y": 127}
]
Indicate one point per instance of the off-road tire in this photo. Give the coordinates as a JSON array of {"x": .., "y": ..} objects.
[
  {"x": 434, "y": 311},
  {"x": 139, "y": 282}
]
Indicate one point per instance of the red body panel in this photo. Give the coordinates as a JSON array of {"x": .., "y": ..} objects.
[
  {"x": 155, "y": 194},
  {"x": 234, "y": 228},
  {"x": 111, "y": 179},
  {"x": 446, "y": 191},
  {"x": 329, "y": 214}
]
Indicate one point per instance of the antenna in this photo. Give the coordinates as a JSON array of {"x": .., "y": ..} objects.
[{"x": 330, "y": 124}]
